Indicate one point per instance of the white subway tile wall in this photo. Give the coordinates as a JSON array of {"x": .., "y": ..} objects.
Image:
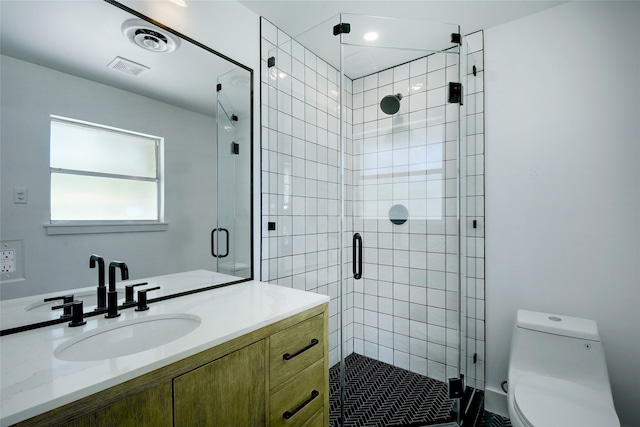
[{"x": 405, "y": 310}]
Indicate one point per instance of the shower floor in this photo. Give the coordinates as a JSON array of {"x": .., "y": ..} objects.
[{"x": 378, "y": 394}]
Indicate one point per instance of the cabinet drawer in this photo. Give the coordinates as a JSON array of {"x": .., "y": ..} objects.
[
  {"x": 316, "y": 421},
  {"x": 296, "y": 403},
  {"x": 294, "y": 349}
]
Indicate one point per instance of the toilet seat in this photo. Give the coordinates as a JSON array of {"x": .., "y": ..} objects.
[{"x": 546, "y": 402}]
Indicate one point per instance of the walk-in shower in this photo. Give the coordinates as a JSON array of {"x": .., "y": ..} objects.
[{"x": 364, "y": 168}]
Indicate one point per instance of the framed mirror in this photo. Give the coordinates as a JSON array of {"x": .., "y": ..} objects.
[{"x": 103, "y": 67}]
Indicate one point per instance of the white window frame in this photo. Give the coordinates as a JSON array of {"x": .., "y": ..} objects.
[{"x": 111, "y": 226}]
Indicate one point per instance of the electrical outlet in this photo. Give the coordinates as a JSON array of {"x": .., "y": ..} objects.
[
  {"x": 11, "y": 261},
  {"x": 7, "y": 263}
]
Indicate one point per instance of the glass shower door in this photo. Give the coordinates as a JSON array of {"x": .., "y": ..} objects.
[{"x": 231, "y": 238}]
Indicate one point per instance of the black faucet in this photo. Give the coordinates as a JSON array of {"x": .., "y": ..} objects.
[
  {"x": 112, "y": 295},
  {"x": 102, "y": 289}
]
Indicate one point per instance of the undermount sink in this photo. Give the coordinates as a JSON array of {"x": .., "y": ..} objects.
[
  {"x": 88, "y": 298},
  {"x": 127, "y": 337}
]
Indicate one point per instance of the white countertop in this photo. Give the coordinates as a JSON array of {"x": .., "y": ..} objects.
[{"x": 34, "y": 381}]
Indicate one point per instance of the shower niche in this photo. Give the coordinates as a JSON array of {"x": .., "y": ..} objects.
[{"x": 362, "y": 137}]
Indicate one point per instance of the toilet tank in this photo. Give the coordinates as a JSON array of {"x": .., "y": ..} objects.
[{"x": 559, "y": 346}]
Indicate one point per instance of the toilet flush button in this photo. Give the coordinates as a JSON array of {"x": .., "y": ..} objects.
[{"x": 555, "y": 319}]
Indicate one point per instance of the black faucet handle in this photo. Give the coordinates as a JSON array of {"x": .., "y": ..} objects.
[
  {"x": 65, "y": 299},
  {"x": 128, "y": 292},
  {"x": 142, "y": 298},
  {"x": 77, "y": 312}
]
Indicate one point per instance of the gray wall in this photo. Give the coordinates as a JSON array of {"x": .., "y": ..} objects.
[
  {"x": 30, "y": 94},
  {"x": 563, "y": 182}
]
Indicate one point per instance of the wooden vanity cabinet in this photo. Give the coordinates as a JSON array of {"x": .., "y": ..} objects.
[
  {"x": 226, "y": 392},
  {"x": 275, "y": 376}
]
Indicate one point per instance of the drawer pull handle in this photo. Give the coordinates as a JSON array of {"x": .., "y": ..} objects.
[
  {"x": 288, "y": 356},
  {"x": 286, "y": 415}
]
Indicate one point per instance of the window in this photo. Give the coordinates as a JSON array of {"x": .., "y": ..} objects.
[{"x": 104, "y": 175}]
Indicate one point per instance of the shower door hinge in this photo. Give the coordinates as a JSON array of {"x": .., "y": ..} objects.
[
  {"x": 456, "y": 387},
  {"x": 271, "y": 61},
  {"x": 341, "y": 28},
  {"x": 235, "y": 148},
  {"x": 218, "y": 87},
  {"x": 456, "y": 38},
  {"x": 234, "y": 118},
  {"x": 455, "y": 93}
]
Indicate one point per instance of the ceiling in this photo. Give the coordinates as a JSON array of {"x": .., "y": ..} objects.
[
  {"x": 82, "y": 38},
  {"x": 72, "y": 47},
  {"x": 297, "y": 16},
  {"x": 417, "y": 28}
]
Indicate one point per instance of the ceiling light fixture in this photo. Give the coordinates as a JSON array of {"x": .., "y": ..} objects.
[
  {"x": 181, "y": 3},
  {"x": 372, "y": 36}
]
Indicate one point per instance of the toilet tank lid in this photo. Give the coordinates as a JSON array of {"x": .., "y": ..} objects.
[{"x": 558, "y": 324}]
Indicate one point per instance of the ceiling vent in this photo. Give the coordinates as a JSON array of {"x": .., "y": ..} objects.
[
  {"x": 126, "y": 66},
  {"x": 149, "y": 37}
]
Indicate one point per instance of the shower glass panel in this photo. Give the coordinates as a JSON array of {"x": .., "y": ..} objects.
[
  {"x": 471, "y": 210},
  {"x": 231, "y": 239},
  {"x": 367, "y": 206}
]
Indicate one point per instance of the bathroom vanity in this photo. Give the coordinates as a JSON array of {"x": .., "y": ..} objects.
[{"x": 252, "y": 354}]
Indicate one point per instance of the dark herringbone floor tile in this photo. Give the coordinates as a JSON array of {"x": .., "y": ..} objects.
[
  {"x": 493, "y": 420},
  {"x": 380, "y": 395}
]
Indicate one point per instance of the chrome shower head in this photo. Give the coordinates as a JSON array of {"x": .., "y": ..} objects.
[{"x": 390, "y": 104}]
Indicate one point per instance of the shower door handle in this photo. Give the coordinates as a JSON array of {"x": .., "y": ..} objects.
[
  {"x": 357, "y": 256},
  {"x": 213, "y": 244},
  {"x": 227, "y": 252}
]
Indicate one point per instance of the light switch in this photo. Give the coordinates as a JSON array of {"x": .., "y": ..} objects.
[{"x": 19, "y": 195}]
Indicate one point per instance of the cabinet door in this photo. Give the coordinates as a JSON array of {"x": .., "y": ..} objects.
[
  {"x": 150, "y": 408},
  {"x": 229, "y": 391}
]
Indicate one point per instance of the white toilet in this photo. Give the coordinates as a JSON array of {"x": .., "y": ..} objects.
[{"x": 558, "y": 373}]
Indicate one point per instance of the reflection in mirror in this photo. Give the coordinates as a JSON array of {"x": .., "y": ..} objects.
[{"x": 107, "y": 66}]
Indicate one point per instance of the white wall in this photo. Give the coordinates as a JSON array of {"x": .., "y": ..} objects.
[{"x": 563, "y": 181}]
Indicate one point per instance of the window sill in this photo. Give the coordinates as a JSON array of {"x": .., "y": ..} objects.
[{"x": 55, "y": 229}]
